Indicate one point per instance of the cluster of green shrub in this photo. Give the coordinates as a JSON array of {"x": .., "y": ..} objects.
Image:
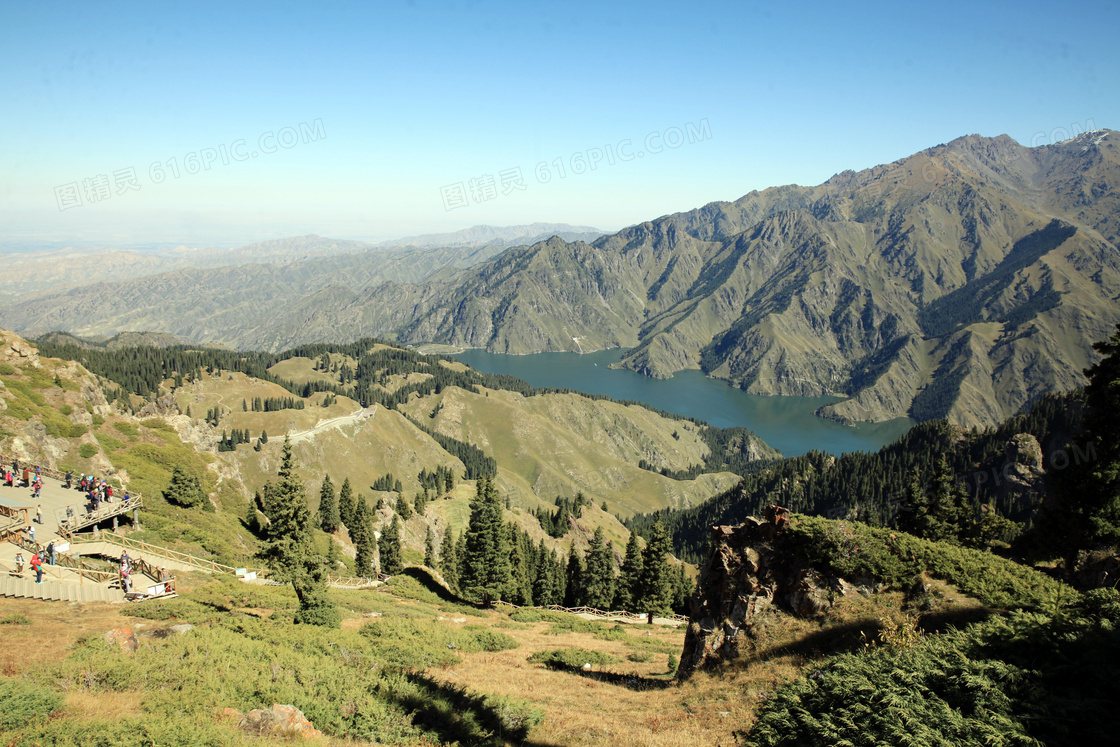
[
  {"x": 1022, "y": 679},
  {"x": 572, "y": 658}
]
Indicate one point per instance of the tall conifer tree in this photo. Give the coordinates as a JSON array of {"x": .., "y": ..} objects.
[
  {"x": 599, "y": 576},
  {"x": 290, "y": 551},
  {"x": 574, "y": 592},
  {"x": 361, "y": 534},
  {"x": 346, "y": 503},
  {"x": 629, "y": 588},
  {"x": 656, "y": 578},
  {"x": 390, "y": 548},
  {"x": 484, "y": 564},
  {"x": 329, "y": 517},
  {"x": 430, "y": 549},
  {"x": 449, "y": 560}
]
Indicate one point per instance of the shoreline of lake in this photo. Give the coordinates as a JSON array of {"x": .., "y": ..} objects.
[{"x": 788, "y": 424}]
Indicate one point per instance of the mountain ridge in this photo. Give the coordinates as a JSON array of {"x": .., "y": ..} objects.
[{"x": 792, "y": 290}]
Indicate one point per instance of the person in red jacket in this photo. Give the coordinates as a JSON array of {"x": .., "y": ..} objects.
[{"x": 37, "y": 566}]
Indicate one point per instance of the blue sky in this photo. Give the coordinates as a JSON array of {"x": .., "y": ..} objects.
[{"x": 370, "y": 120}]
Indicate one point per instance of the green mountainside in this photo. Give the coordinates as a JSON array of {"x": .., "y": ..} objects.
[
  {"x": 938, "y": 620},
  {"x": 962, "y": 282}
]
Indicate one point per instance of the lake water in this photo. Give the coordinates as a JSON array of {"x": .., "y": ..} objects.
[{"x": 786, "y": 423}]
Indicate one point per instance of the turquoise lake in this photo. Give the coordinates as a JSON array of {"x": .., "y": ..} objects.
[{"x": 786, "y": 423}]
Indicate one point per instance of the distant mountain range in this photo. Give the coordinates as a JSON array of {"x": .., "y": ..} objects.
[
  {"x": 478, "y": 236},
  {"x": 40, "y": 273},
  {"x": 963, "y": 281}
]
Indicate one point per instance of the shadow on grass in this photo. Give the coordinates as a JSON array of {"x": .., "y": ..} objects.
[
  {"x": 939, "y": 622},
  {"x": 429, "y": 582},
  {"x": 634, "y": 682},
  {"x": 835, "y": 639},
  {"x": 459, "y": 716},
  {"x": 840, "y": 639}
]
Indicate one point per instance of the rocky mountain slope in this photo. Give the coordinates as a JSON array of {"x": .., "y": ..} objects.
[{"x": 962, "y": 282}]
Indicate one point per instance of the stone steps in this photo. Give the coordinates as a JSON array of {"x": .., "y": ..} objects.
[{"x": 57, "y": 591}]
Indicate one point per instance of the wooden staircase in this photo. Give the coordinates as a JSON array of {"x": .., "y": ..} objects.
[{"x": 58, "y": 591}]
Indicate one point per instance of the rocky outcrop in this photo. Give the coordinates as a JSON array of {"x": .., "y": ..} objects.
[
  {"x": 749, "y": 569},
  {"x": 16, "y": 351},
  {"x": 285, "y": 721},
  {"x": 123, "y": 638}
]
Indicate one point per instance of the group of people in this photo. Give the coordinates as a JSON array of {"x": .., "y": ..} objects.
[
  {"x": 163, "y": 576},
  {"x": 28, "y": 479}
]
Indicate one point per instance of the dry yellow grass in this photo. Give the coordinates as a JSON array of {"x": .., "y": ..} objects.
[
  {"x": 652, "y": 710},
  {"x": 110, "y": 704},
  {"x": 55, "y": 627}
]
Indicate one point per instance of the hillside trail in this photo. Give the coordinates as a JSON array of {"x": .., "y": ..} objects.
[{"x": 306, "y": 435}]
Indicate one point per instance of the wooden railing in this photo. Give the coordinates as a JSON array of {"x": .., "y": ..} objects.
[
  {"x": 202, "y": 564},
  {"x": 355, "y": 582},
  {"x": 636, "y": 616},
  {"x": 106, "y": 511},
  {"x": 63, "y": 560}
]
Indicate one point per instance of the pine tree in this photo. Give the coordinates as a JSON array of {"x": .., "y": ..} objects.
[
  {"x": 329, "y": 518},
  {"x": 656, "y": 579},
  {"x": 403, "y": 509},
  {"x": 599, "y": 575},
  {"x": 430, "y": 549},
  {"x": 549, "y": 577},
  {"x": 682, "y": 590},
  {"x": 363, "y": 538},
  {"x": 628, "y": 590},
  {"x": 449, "y": 560},
  {"x": 290, "y": 551},
  {"x": 421, "y": 502},
  {"x": 185, "y": 490},
  {"x": 346, "y": 504},
  {"x": 390, "y": 549},
  {"x": 252, "y": 522},
  {"x": 574, "y": 593},
  {"x": 521, "y": 586},
  {"x": 484, "y": 564}
]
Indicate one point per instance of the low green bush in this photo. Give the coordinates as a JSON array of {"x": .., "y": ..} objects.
[
  {"x": 525, "y": 616},
  {"x": 16, "y": 619},
  {"x": 572, "y": 658},
  {"x": 22, "y": 702},
  {"x": 128, "y": 429}
]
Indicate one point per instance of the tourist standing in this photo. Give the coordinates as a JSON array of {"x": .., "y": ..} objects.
[{"x": 37, "y": 566}]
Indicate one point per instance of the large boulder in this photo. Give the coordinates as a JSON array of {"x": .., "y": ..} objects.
[
  {"x": 278, "y": 721},
  {"x": 749, "y": 569}
]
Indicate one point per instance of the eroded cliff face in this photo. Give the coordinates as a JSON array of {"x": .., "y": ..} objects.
[{"x": 749, "y": 569}]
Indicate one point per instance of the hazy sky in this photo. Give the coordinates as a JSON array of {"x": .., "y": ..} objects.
[{"x": 195, "y": 123}]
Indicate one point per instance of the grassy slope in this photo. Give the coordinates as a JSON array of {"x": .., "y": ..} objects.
[{"x": 559, "y": 444}]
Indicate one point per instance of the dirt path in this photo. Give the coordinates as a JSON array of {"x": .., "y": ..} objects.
[{"x": 307, "y": 435}]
